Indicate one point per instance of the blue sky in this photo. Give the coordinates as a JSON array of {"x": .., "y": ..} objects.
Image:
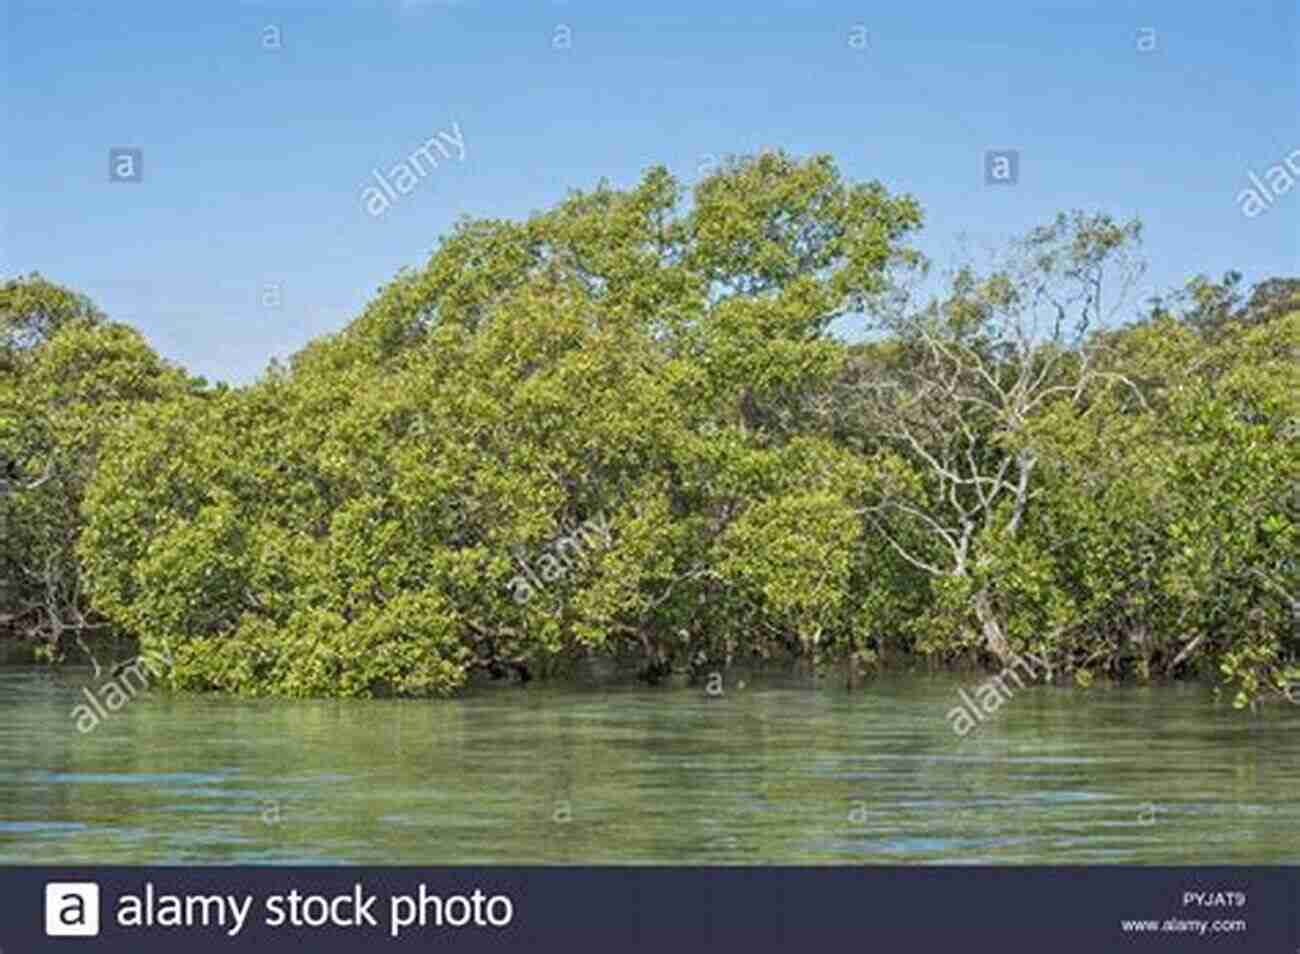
[{"x": 256, "y": 158}]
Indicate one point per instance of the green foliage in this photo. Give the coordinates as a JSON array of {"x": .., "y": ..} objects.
[
  {"x": 357, "y": 524},
  {"x": 69, "y": 377},
  {"x": 622, "y": 427},
  {"x": 33, "y": 310},
  {"x": 1177, "y": 519}
]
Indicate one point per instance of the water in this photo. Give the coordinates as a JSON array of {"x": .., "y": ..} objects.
[{"x": 773, "y": 773}]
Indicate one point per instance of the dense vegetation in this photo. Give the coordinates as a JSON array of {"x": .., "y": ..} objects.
[{"x": 1022, "y": 462}]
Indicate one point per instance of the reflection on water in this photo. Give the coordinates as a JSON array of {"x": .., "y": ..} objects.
[{"x": 773, "y": 773}]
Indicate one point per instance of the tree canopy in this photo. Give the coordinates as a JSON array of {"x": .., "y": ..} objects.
[{"x": 626, "y": 427}]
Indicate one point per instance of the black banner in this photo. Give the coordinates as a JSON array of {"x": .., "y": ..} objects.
[{"x": 1064, "y": 909}]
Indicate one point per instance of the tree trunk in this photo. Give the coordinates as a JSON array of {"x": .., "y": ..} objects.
[{"x": 995, "y": 640}]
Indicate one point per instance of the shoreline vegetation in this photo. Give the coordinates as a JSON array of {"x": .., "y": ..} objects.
[{"x": 632, "y": 427}]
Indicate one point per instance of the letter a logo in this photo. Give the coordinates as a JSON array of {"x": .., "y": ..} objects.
[{"x": 71, "y": 909}]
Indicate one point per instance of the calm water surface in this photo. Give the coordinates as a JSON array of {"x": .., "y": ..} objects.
[{"x": 776, "y": 772}]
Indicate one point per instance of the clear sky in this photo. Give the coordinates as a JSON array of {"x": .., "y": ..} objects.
[{"x": 260, "y": 125}]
